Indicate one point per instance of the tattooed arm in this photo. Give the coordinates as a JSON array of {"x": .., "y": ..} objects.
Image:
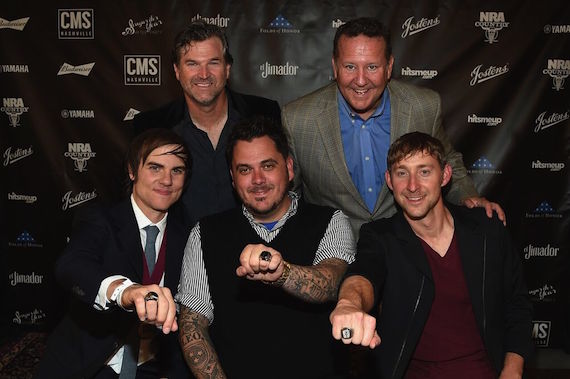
[
  {"x": 197, "y": 346},
  {"x": 316, "y": 284}
]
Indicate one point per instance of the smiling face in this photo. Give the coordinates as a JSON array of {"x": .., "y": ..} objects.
[
  {"x": 362, "y": 72},
  {"x": 261, "y": 178},
  {"x": 159, "y": 182},
  {"x": 416, "y": 183},
  {"x": 202, "y": 71}
]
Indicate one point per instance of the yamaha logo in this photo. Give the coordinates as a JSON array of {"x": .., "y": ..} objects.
[
  {"x": 76, "y": 23},
  {"x": 142, "y": 70}
]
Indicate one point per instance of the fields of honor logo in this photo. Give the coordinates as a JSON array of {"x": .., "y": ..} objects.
[
  {"x": 558, "y": 70},
  {"x": 28, "y": 199},
  {"x": 18, "y": 24},
  {"x": 142, "y": 70},
  {"x": 411, "y": 26},
  {"x": 552, "y": 166},
  {"x": 76, "y": 23},
  {"x": 131, "y": 113},
  {"x": 545, "y": 121},
  {"x": 531, "y": 251},
  {"x": 483, "y": 166},
  {"x": 14, "y": 107},
  {"x": 14, "y": 68},
  {"x": 83, "y": 70},
  {"x": 34, "y": 317},
  {"x": 32, "y": 278},
  {"x": 147, "y": 26},
  {"x": 491, "y": 23},
  {"x": 337, "y": 23},
  {"x": 80, "y": 153},
  {"x": 544, "y": 293},
  {"x": 543, "y": 210},
  {"x": 280, "y": 25},
  {"x": 70, "y": 200},
  {"x": 286, "y": 69},
  {"x": 480, "y": 76},
  {"x": 25, "y": 239},
  {"x": 556, "y": 29},
  {"x": 13, "y": 155},
  {"x": 77, "y": 113},
  {"x": 218, "y": 20},
  {"x": 541, "y": 333},
  {"x": 424, "y": 74},
  {"x": 489, "y": 121}
]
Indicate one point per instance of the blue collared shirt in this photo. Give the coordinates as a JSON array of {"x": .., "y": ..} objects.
[{"x": 366, "y": 146}]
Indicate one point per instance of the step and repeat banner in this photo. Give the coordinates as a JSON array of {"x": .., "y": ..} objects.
[{"x": 74, "y": 73}]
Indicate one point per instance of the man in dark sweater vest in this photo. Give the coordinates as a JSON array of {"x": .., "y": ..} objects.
[
  {"x": 454, "y": 302},
  {"x": 258, "y": 282}
]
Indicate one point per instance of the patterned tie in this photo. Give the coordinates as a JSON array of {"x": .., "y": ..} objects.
[{"x": 150, "y": 249}]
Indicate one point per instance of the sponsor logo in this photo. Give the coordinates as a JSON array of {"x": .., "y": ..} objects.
[
  {"x": 34, "y": 317},
  {"x": 411, "y": 26},
  {"x": 541, "y": 333},
  {"x": 14, "y": 107},
  {"x": 147, "y": 26},
  {"x": 25, "y": 239},
  {"x": 286, "y": 69},
  {"x": 18, "y": 24},
  {"x": 83, "y": 70},
  {"x": 544, "y": 121},
  {"x": 424, "y": 74},
  {"x": 17, "y": 278},
  {"x": 337, "y": 23},
  {"x": 142, "y": 70},
  {"x": 280, "y": 25},
  {"x": 491, "y": 23},
  {"x": 28, "y": 199},
  {"x": 483, "y": 166},
  {"x": 70, "y": 200},
  {"x": 77, "y": 113},
  {"x": 131, "y": 114},
  {"x": 14, "y": 68},
  {"x": 531, "y": 251},
  {"x": 14, "y": 155},
  {"x": 558, "y": 70},
  {"x": 80, "y": 153},
  {"x": 556, "y": 29},
  {"x": 220, "y": 21},
  {"x": 479, "y": 76},
  {"x": 489, "y": 121},
  {"x": 76, "y": 23},
  {"x": 544, "y": 210},
  {"x": 552, "y": 166},
  {"x": 544, "y": 293}
]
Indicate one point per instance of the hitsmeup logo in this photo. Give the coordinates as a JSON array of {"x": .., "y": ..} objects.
[
  {"x": 142, "y": 70},
  {"x": 76, "y": 23}
]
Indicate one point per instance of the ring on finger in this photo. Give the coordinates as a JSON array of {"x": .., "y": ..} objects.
[
  {"x": 151, "y": 296},
  {"x": 346, "y": 333},
  {"x": 265, "y": 256}
]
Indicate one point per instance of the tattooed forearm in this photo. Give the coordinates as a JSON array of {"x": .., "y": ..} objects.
[
  {"x": 198, "y": 349},
  {"x": 316, "y": 284}
]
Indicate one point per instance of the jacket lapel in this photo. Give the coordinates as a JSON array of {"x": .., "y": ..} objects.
[
  {"x": 177, "y": 232},
  {"x": 411, "y": 245},
  {"x": 128, "y": 237}
]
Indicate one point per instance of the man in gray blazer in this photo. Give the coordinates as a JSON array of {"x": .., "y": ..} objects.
[{"x": 340, "y": 133}]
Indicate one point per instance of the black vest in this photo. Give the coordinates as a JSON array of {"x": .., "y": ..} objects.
[{"x": 260, "y": 331}]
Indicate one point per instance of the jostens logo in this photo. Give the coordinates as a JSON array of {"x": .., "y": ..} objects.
[
  {"x": 14, "y": 155},
  {"x": 14, "y": 107},
  {"x": 491, "y": 23},
  {"x": 541, "y": 333},
  {"x": 142, "y": 70},
  {"x": 76, "y": 23},
  {"x": 545, "y": 121},
  {"x": 478, "y": 76},
  {"x": 80, "y": 153},
  {"x": 70, "y": 200},
  {"x": 412, "y": 27},
  {"x": 558, "y": 70},
  {"x": 83, "y": 70},
  {"x": 18, "y": 24}
]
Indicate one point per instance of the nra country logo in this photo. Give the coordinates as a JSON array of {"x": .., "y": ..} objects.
[
  {"x": 14, "y": 107},
  {"x": 558, "y": 70},
  {"x": 543, "y": 210},
  {"x": 82, "y": 70},
  {"x": 77, "y": 113},
  {"x": 14, "y": 68},
  {"x": 492, "y": 23},
  {"x": 286, "y": 69},
  {"x": 76, "y": 23},
  {"x": 545, "y": 120},
  {"x": 70, "y": 200},
  {"x": 35, "y": 317},
  {"x": 484, "y": 120},
  {"x": 25, "y": 239},
  {"x": 424, "y": 74},
  {"x": 149, "y": 25},
  {"x": 142, "y": 70},
  {"x": 218, "y": 20},
  {"x": 80, "y": 153},
  {"x": 18, "y": 24},
  {"x": 541, "y": 333},
  {"x": 12, "y": 155},
  {"x": 280, "y": 25},
  {"x": 131, "y": 113},
  {"x": 479, "y": 76},
  {"x": 411, "y": 26},
  {"x": 31, "y": 278}
]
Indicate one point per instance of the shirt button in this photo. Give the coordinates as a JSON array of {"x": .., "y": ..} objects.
[
  {"x": 369, "y": 189},
  {"x": 366, "y": 158},
  {"x": 363, "y": 126}
]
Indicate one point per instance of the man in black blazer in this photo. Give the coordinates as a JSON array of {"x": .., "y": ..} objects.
[
  {"x": 205, "y": 115},
  {"x": 119, "y": 291}
]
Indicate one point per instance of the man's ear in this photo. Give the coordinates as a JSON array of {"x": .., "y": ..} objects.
[
  {"x": 388, "y": 180},
  {"x": 446, "y": 175}
]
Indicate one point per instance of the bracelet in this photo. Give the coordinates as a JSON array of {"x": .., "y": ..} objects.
[
  {"x": 118, "y": 292},
  {"x": 284, "y": 275}
]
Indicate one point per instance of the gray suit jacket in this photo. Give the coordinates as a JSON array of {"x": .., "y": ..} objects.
[{"x": 312, "y": 122}]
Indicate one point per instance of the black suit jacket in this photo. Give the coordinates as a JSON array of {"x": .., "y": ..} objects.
[{"x": 105, "y": 242}]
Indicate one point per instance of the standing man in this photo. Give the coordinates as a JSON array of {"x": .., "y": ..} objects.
[
  {"x": 122, "y": 266},
  {"x": 454, "y": 302},
  {"x": 258, "y": 282},
  {"x": 340, "y": 133},
  {"x": 205, "y": 115}
]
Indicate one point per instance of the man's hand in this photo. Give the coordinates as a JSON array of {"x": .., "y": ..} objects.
[
  {"x": 254, "y": 267},
  {"x": 489, "y": 206},
  {"x": 361, "y": 324},
  {"x": 160, "y": 312}
]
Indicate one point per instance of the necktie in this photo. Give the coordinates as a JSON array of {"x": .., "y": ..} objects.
[{"x": 150, "y": 247}]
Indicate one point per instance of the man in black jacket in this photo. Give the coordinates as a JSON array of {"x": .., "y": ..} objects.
[
  {"x": 454, "y": 302},
  {"x": 205, "y": 115}
]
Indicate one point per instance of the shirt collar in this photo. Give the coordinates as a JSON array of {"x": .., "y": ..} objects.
[
  {"x": 290, "y": 212},
  {"x": 143, "y": 221}
]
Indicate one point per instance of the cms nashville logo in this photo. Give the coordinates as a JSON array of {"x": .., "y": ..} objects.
[
  {"x": 76, "y": 23},
  {"x": 491, "y": 23},
  {"x": 142, "y": 70},
  {"x": 558, "y": 70}
]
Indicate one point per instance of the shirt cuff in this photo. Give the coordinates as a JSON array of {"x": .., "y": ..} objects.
[{"x": 102, "y": 303}]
